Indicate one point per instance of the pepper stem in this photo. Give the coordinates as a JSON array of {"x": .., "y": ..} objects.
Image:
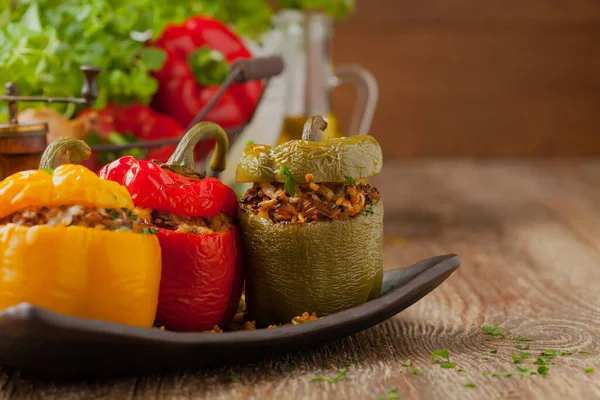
[
  {"x": 184, "y": 153},
  {"x": 75, "y": 149},
  {"x": 313, "y": 128},
  {"x": 209, "y": 66}
]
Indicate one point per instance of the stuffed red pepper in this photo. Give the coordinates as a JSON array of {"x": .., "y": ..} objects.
[{"x": 201, "y": 279}]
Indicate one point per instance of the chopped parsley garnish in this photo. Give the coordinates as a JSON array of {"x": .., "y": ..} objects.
[
  {"x": 485, "y": 358},
  {"x": 249, "y": 142},
  {"x": 350, "y": 179},
  {"x": 233, "y": 378},
  {"x": 407, "y": 363},
  {"x": 48, "y": 170},
  {"x": 367, "y": 210},
  {"x": 583, "y": 352},
  {"x": 519, "y": 358},
  {"x": 493, "y": 351},
  {"x": 348, "y": 364},
  {"x": 416, "y": 372},
  {"x": 564, "y": 353},
  {"x": 294, "y": 322},
  {"x": 543, "y": 370},
  {"x": 330, "y": 380},
  {"x": 442, "y": 353},
  {"x": 290, "y": 182},
  {"x": 540, "y": 361},
  {"x": 392, "y": 394},
  {"x": 520, "y": 347},
  {"x": 152, "y": 230},
  {"x": 495, "y": 330},
  {"x": 589, "y": 369},
  {"x": 470, "y": 385},
  {"x": 113, "y": 213},
  {"x": 525, "y": 371},
  {"x": 504, "y": 374},
  {"x": 523, "y": 339},
  {"x": 462, "y": 370},
  {"x": 447, "y": 365}
]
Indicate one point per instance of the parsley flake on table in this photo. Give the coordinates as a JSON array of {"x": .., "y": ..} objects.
[
  {"x": 493, "y": 351},
  {"x": 442, "y": 353},
  {"x": 589, "y": 369},
  {"x": 583, "y": 352},
  {"x": 520, "y": 347},
  {"x": 525, "y": 371},
  {"x": 543, "y": 370},
  {"x": 330, "y": 380},
  {"x": 494, "y": 330},
  {"x": 523, "y": 339},
  {"x": 447, "y": 365},
  {"x": 485, "y": 358},
  {"x": 392, "y": 394},
  {"x": 506, "y": 374},
  {"x": 519, "y": 358},
  {"x": 540, "y": 361},
  {"x": 470, "y": 385},
  {"x": 407, "y": 363},
  {"x": 416, "y": 372},
  {"x": 462, "y": 370}
]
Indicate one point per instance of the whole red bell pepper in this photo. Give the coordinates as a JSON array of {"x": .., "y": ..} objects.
[
  {"x": 202, "y": 273},
  {"x": 139, "y": 120},
  {"x": 199, "y": 52}
]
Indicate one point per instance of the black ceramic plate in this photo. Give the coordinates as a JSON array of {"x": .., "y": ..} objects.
[{"x": 39, "y": 341}]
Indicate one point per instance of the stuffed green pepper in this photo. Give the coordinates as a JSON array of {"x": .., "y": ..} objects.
[{"x": 312, "y": 232}]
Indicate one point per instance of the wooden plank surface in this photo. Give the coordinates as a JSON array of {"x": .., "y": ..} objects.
[
  {"x": 529, "y": 238},
  {"x": 473, "y": 78}
]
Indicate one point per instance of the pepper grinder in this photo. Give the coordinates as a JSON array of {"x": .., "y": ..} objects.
[{"x": 22, "y": 144}]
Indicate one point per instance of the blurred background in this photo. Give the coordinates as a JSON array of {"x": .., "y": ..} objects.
[
  {"x": 478, "y": 78},
  {"x": 466, "y": 78}
]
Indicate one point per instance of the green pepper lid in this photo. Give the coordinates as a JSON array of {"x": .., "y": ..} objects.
[{"x": 330, "y": 160}]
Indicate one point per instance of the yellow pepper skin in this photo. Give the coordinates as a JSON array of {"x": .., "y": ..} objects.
[
  {"x": 81, "y": 272},
  {"x": 68, "y": 185}
]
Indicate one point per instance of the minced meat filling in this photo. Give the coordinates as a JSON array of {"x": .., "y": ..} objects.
[
  {"x": 312, "y": 201},
  {"x": 104, "y": 218},
  {"x": 183, "y": 223}
]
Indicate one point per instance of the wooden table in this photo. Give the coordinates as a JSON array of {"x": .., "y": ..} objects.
[{"x": 529, "y": 237}]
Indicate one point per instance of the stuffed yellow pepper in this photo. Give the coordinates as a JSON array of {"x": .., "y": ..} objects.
[
  {"x": 70, "y": 243},
  {"x": 312, "y": 232}
]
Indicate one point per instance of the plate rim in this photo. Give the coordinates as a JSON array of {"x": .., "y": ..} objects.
[{"x": 26, "y": 315}]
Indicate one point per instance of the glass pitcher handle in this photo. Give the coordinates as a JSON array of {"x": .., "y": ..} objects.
[{"x": 367, "y": 96}]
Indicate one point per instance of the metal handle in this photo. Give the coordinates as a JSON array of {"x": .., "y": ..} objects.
[
  {"x": 242, "y": 71},
  {"x": 368, "y": 94},
  {"x": 89, "y": 91},
  {"x": 258, "y": 68}
]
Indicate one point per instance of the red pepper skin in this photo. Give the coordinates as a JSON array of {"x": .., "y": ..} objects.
[
  {"x": 202, "y": 275},
  {"x": 140, "y": 120},
  {"x": 201, "y": 279},
  {"x": 180, "y": 95},
  {"x": 153, "y": 187}
]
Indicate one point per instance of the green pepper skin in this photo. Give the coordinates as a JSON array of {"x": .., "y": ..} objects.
[
  {"x": 331, "y": 160},
  {"x": 322, "y": 267}
]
